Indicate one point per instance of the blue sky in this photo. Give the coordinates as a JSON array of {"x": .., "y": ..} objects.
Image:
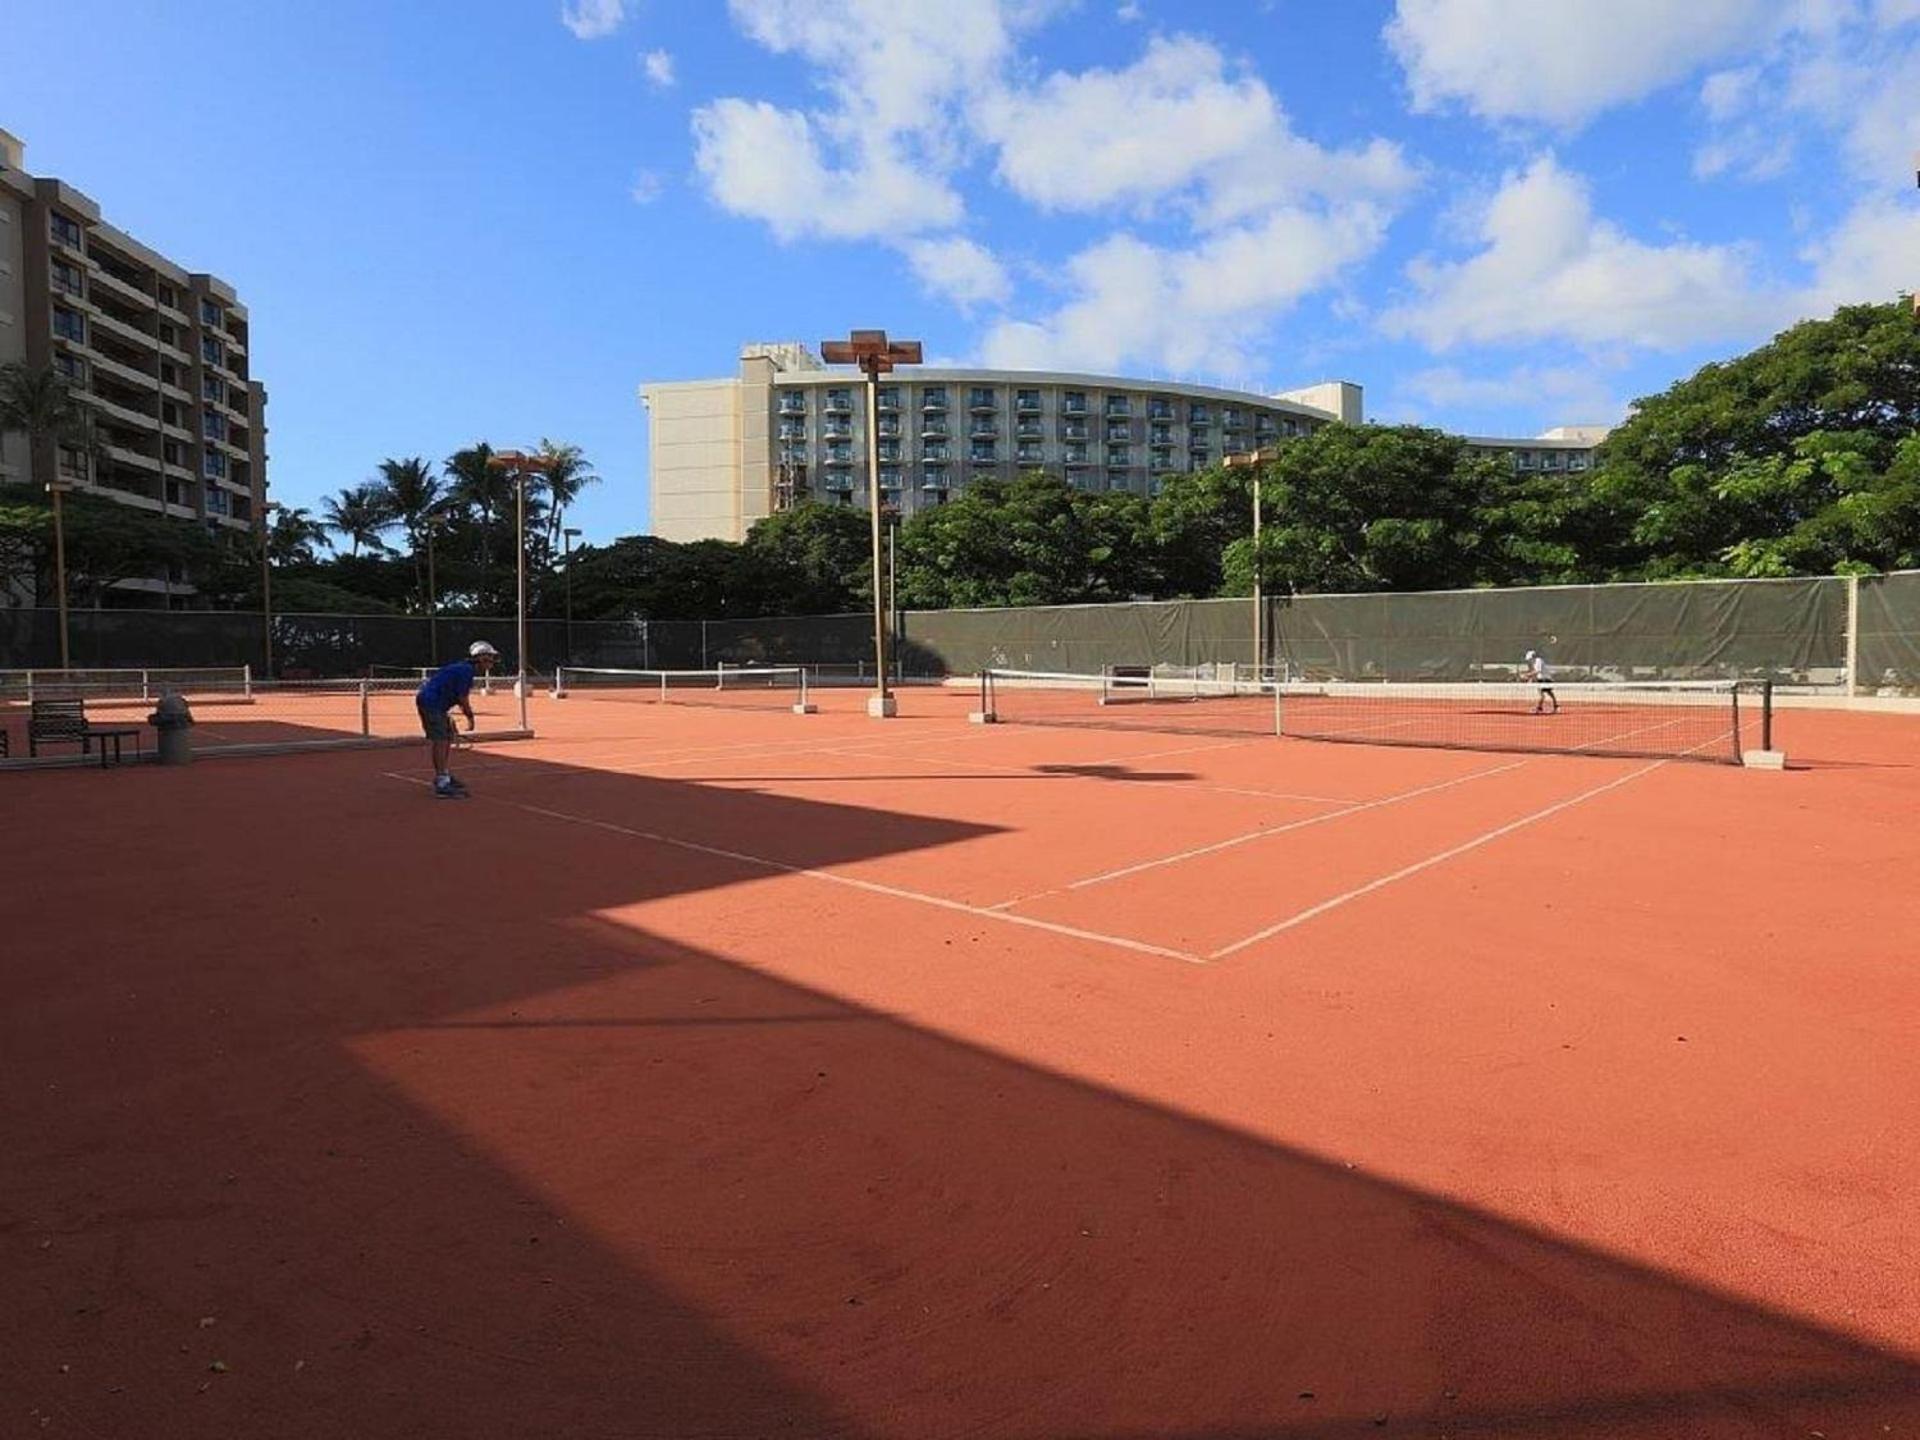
[{"x": 462, "y": 221}]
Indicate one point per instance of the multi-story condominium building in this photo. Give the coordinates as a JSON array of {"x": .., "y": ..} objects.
[
  {"x": 158, "y": 353},
  {"x": 1565, "y": 447},
  {"x": 725, "y": 453}
]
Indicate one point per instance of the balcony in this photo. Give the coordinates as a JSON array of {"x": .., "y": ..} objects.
[
  {"x": 889, "y": 402},
  {"x": 1198, "y": 445},
  {"x": 132, "y": 458},
  {"x": 930, "y": 429},
  {"x": 1028, "y": 404},
  {"x": 136, "y": 419},
  {"x": 1072, "y": 431},
  {"x": 133, "y": 335},
  {"x": 985, "y": 456},
  {"x": 982, "y": 401},
  {"x": 793, "y": 403},
  {"x": 1119, "y": 434},
  {"x": 983, "y": 430},
  {"x": 1119, "y": 409},
  {"x": 1159, "y": 410},
  {"x": 1030, "y": 454},
  {"x": 836, "y": 430},
  {"x": 103, "y": 366},
  {"x": 793, "y": 432},
  {"x": 1073, "y": 407},
  {"x": 933, "y": 402},
  {"x": 105, "y": 280},
  {"x": 934, "y": 452},
  {"x": 837, "y": 405},
  {"x": 1077, "y": 460},
  {"x": 838, "y": 485},
  {"x": 839, "y": 457}
]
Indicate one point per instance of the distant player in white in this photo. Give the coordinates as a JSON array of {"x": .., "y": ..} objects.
[{"x": 1541, "y": 674}]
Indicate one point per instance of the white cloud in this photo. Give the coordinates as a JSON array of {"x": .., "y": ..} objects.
[
  {"x": 1889, "y": 13},
  {"x": 1562, "y": 64},
  {"x": 1871, "y": 256},
  {"x": 1548, "y": 268},
  {"x": 1103, "y": 137},
  {"x": 1197, "y": 310},
  {"x": 961, "y": 270},
  {"x": 1130, "y": 13},
  {"x": 1575, "y": 394},
  {"x": 658, "y": 65},
  {"x": 647, "y": 187},
  {"x": 766, "y": 163},
  {"x": 593, "y": 19}
]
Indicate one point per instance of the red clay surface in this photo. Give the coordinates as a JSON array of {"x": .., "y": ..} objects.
[{"x": 732, "y": 1073}]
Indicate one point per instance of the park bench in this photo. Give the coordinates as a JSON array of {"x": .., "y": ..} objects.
[{"x": 64, "y": 722}]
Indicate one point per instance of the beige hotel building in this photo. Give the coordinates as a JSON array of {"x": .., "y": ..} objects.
[
  {"x": 157, "y": 352},
  {"x": 726, "y": 453}
]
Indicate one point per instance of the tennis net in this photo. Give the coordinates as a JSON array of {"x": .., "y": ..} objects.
[
  {"x": 133, "y": 686},
  {"x": 1690, "y": 720},
  {"x": 773, "y": 687}
]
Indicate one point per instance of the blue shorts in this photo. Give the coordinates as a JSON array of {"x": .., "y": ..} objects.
[{"x": 437, "y": 723}]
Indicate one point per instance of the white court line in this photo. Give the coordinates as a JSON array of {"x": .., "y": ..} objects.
[
  {"x": 1414, "y": 869},
  {"x": 1291, "y": 825},
  {"x": 872, "y": 887}
]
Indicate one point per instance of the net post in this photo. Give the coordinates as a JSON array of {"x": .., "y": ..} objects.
[
  {"x": 1766, "y": 714},
  {"x": 366, "y": 708},
  {"x": 146, "y": 692},
  {"x": 246, "y": 681},
  {"x": 559, "y": 682},
  {"x": 525, "y": 691},
  {"x": 1853, "y": 636}
]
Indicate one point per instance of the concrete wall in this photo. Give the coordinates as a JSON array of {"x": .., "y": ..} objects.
[{"x": 693, "y": 460}]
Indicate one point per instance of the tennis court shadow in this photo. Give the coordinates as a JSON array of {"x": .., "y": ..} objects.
[
  {"x": 1114, "y": 772},
  {"x": 426, "y": 1130}
]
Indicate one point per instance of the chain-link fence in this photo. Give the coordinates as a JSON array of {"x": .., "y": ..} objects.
[{"x": 1815, "y": 632}]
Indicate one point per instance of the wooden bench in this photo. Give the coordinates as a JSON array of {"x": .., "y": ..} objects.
[{"x": 64, "y": 722}]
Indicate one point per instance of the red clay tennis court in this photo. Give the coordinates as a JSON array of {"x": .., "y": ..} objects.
[{"x": 722, "y": 1071}]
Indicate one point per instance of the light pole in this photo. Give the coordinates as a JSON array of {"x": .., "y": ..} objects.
[
  {"x": 56, "y": 488},
  {"x": 266, "y": 582},
  {"x": 876, "y": 356},
  {"x": 521, "y": 465},
  {"x": 567, "y": 537},
  {"x": 1256, "y": 460},
  {"x": 434, "y": 524}
]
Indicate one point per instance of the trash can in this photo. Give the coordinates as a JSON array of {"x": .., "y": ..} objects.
[{"x": 172, "y": 719}]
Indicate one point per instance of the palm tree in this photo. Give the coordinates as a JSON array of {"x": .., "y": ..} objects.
[
  {"x": 293, "y": 536},
  {"x": 40, "y": 404},
  {"x": 361, "y": 514},
  {"x": 477, "y": 486},
  {"x": 565, "y": 472},
  {"x": 412, "y": 493}
]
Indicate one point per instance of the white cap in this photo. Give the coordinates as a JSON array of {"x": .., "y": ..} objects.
[
  {"x": 1530, "y": 654},
  {"x": 481, "y": 647}
]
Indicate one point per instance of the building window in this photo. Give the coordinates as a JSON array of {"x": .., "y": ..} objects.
[
  {"x": 1119, "y": 455},
  {"x": 69, "y": 325},
  {"x": 173, "y": 452},
  {"x": 71, "y": 367},
  {"x": 1074, "y": 429},
  {"x": 67, "y": 279},
  {"x": 213, "y": 425},
  {"x": 934, "y": 477},
  {"x": 213, "y": 465},
  {"x": 1198, "y": 414},
  {"x": 1119, "y": 405},
  {"x": 840, "y": 402},
  {"x": 1030, "y": 454},
  {"x": 934, "y": 452},
  {"x": 934, "y": 397},
  {"x": 1074, "y": 402},
  {"x": 165, "y": 292},
  {"x": 889, "y": 398},
  {"x": 210, "y": 350},
  {"x": 1077, "y": 454},
  {"x": 1159, "y": 408},
  {"x": 213, "y": 388},
  {"x": 793, "y": 402},
  {"x": 982, "y": 453},
  {"x": 73, "y": 464},
  {"x": 1118, "y": 431},
  {"x": 1162, "y": 435},
  {"x": 209, "y": 313},
  {"x": 889, "y": 477},
  {"x": 65, "y": 231},
  {"x": 980, "y": 398},
  {"x": 1027, "y": 401},
  {"x": 889, "y": 449},
  {"x": 216, "y": 501}
]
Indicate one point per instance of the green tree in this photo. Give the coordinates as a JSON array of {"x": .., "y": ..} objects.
[
  {"x": 817, "y": 557},
  {"x": 40, "y": 405},
  {"x": 362, "y": 513},
  {"x": 564, "y": 473},
  {"x": 293, "y": 536}
]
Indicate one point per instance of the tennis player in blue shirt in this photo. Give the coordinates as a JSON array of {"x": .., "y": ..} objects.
[{"x": 446, "y": 688}]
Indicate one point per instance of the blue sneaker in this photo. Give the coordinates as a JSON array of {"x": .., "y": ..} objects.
[{"x": 446, "y": 790}]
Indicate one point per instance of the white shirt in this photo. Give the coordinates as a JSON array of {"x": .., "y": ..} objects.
[{"x": 1539, "y": 671}]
